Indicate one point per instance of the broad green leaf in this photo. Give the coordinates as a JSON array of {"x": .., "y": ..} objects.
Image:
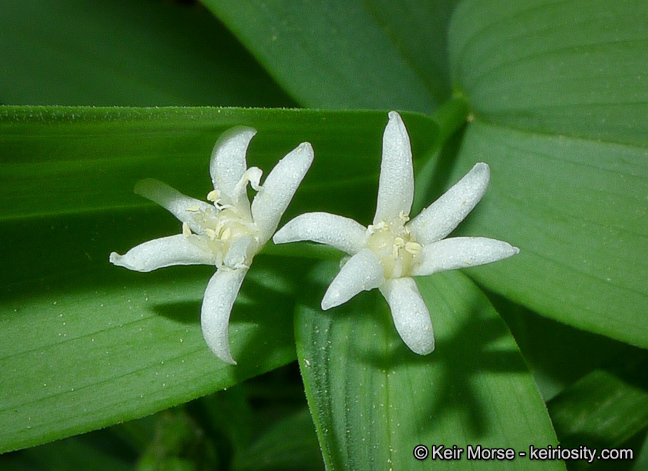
[
  {"x": 577, "y": 210},
  {"x": 546, "y": 344},
  {"x": 89, "y": 349},
  {"x": 68, "y": 160},
  {"x": 72, "y": 454},
  {"x": 577, "y": 68},
  {"x": 641, "y": 458},
  {"x": 179, "y": 443},
  {"x": 347, "y": 54},
  {"x": 558, "y": 95},
  {"x": 290, "y": 444},
  {"x": 88, "y": 344},
  {"x": 605, "y": 408},
  {"x": 373, "y": 400},
  {"x": 419, "y": 29},
  {"x": 124, "y": 52}
]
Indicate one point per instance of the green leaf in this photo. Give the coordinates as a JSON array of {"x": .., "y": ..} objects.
[
  {"x": 290, "y": 444},
  {"x": 89, "y": 349},
  {"x": 559, "y": 104},
  {"x": 179, "y": 443},
  {"x": 373, "y": 400},
  {"x": 577, "y": 68},
  {"x": 88, "y": 344},
  {"x": 545, "y": 344},
  {"x": 121, "y": 52},
  {"x": 419, "y": 29},
  {"x": 60, "y": 160},
  {"x": 65, "y": 455},
  {"x": 347, "y": 54},
  {"x": 605, "y": 408},
  {"x": 577, "y": 211}
]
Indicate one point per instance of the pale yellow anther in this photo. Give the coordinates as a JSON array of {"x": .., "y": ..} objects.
[
  {"x": 211, "y": 233},
  {"x": 253, "y": 175},
  {"x": 413, "y": 247},
  {"x": 186, "y": 230},
  {"x": 227, "y": 233},
  {"x": 213, "y": 196},
  {"x": 404, "y": 217},
  {"x": 192, "y": 209},
  {"x": 381, "y": 226},
  {"x": 398, "y": 243}
]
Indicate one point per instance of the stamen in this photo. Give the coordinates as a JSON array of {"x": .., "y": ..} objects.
[
  {"x": 254, "y": 176},
  {"x": 213, "y": 196},
  {"x": 186, "y": 230},
  {"x": 211, "y": 233},
  {"x": 251, "y": 175},
  {"x": 192, "y": 209},
  {"x": 404, "y": 217},
  {"x": 413, "y": 247},
  {"x": 227, "y": 233},
  {"x": 381, "y": 226}
]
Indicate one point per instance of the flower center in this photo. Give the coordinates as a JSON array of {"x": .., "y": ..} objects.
[
  {"x": 392, "y": 242},
  {"x": 219, "y": 234}
]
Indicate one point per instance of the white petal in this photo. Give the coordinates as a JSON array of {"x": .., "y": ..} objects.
[
  {"x": 441, "y": 217},
  {"x": 461, "y": 252},
  {"x": 396, "y": 185},
  {"x": 228, "y": 164},
  {"x": 217, "y": 305},
  {"x": 362, "y": 272},
  {"x": 278, "y": 189},
  {"x": 237, "y": 255},
  {"x": 342, "y": 233},
  {"x": 185, "y": 208},
  {"x": 411, "y": 315},
  {"x": 164, "y": 252}
]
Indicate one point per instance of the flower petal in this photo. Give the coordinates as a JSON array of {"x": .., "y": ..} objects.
[
  {"x": 441, "y": 217},
  {"x": 411, "y": 315},
  {"x": 217, "y": 305},
  {"x": 342, "y": 233},
  {"x": 164, "y": 252},
  {"x": 186, "y": 209},
  {"x": 362, "y": 272},
  {"x": 461, "y": 252},
  {"x": 396, "y": 185},
  {"x": 278, "y": 189},
  {"x": 228, "y": 164},
  {"x": 237, "y": 255}
]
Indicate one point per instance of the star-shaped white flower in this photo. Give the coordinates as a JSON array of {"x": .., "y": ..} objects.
[
  {"x": 393, "y": 249},
  {"x": 226, "y": 233}
]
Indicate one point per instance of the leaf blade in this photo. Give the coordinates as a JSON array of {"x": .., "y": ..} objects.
[
  {"x": 373, "y": 400},
  {"x": 575, "y": 68},
  {"x": 575, "y": 208},
  {"x": 74, "y": 52},
  {"x": 88, "y": 159},
  {"x": 556, "y": 90},
  {"x": 337, "y": 55}
]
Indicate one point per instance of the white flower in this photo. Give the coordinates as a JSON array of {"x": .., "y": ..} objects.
[
  {"x": 227, "y": 233},
  {"x": 393, "y": 249}
]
